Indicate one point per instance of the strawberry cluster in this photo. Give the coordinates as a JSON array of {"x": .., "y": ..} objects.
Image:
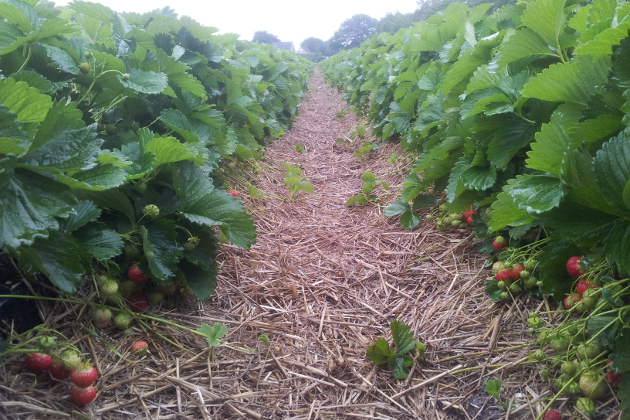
[
  {"x": 456, "y": 220},
  {"x": 511, "y": 277},
  {"x": 586, "y": 294},
  {"x": 66, "y": 365}
]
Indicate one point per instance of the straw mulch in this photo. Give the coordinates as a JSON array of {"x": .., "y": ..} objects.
[{"x": 323, "y": 282}]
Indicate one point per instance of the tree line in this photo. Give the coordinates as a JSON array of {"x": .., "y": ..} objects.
[{"x": 360, "y": 27}]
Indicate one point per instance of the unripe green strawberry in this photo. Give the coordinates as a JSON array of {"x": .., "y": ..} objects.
[
  {"x": 544, "y": 373},
  {"x": 126, "y": 76},
  {"x": 456, "y": 216},
  {"x": 151, "y": 210},
  {"x": 132, "y": 252},
  {"x": 525, "y": 274},
  {"x": 504, "y": 296},
  {"x": 167, "y": 290},
  {"x": 530, "y": 282},
  {"x": 84, "y": 68},
  {"x": 127, "y": 288},
  {"x": 530, "y": 265},
  {"x": 109, "y": 288},
  {"x": 498, "y": 266},
  {"x": 590, "y": 298},
  {"x": 538, "y": 355},
  {"x": 47, "y": 343},
  {"x": 569, "y": 368},
  {"x": 122, "y": 320},
  {"x": 593, "y": 385},
  {"x": 559, "y": 344},
  {"x": 586, "y": 406},
  {"x": 515, "y": 288},
  {"x": 70, "y": 359},
  {"x": 102, "y": 317},
  {"x": 447, "y": 221},
  {"x": 111, "y": 129},
  {"x": 429, "y": 217},
  {"x": 573, "y": 389},
  {"x": 588, "y": 351},
  {"x": 502, "y": 285},
  {"x": 456, "y": 224},
  {"x": 154, "y": 297}
]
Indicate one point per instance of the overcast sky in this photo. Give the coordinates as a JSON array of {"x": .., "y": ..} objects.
[{"x": 289, "y": 20}]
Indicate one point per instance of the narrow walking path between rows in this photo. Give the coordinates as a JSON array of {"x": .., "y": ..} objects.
[{"x": 324, "y": 281}]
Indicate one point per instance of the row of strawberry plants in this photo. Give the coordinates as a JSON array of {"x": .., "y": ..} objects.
[
  {"x": 522, "y": 115},
  {"x": 112, "y": 127}
]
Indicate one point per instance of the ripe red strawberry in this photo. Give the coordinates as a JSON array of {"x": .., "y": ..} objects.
[
  {"x": 84, "y": 375},
  {"x": 139, "y": 348},
  {"x": 499, "y": 243},
  {"x": 613, "y": 378},
  {"x": 136, "y": 275},
  {"x": 57, "y": 371},
  {"x": 502, "y": 275},
  {"x": 138, "y": 302},
  {"x": 38, "y": 362},
  {"x": 513, "y": 274},
  {"x": 518, "y": 267},
  {"x": 470, "y": 221},
  {"x": 234, "y": 193},
  {"x": 82, "y": 396},
  {"x": 552, "y": 415},
  {"x": 469, "y": 213},
  {"x": 575, "y": 267},
  {"x": 570, "y": 301},
  {"x": 582, "y": 286}
]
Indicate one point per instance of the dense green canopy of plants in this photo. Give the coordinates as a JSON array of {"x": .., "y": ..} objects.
[{"x": 111, "y": 128}]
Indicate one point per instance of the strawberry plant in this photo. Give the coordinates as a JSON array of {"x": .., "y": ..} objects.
[
  {"x": 396, "y": 359},
  {"x": 111, "y": 143},
  {"x": 370, "y": 182},
  {"x": 295, "y": 180}
]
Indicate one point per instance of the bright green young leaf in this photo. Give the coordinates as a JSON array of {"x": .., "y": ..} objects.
[
  {"x": 380, "y": 352},
  {"x": 505, "y": 212},
  {"x": 524, "y": 42},
  {"x": 213, "y": 333},
  {"x": 493, "y": 387},
  {"x": 574, "y": 81},
  {"x": 27, "y": 102},
  {"x": 409, "y": 219},
  {"x": 9, "y": 36},
  {"x": 479, "y": 178},
  {"x": 168, "y": 150},
  {"x": 403, "y": 338},
  {"x": 547, "y": 18}
]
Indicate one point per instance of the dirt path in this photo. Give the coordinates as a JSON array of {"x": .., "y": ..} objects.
[{"x": 324, "y": 281}]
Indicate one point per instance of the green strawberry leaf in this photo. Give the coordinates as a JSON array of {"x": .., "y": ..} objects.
[
  {"x": 617, "y": 245},
  {"x": 522, "y": 43},
  {"x": 409, "y": 219},
  {"x": 30, "y": 205},
  {"x": 85, "y": 212},
  {"x": 57, "y": 257},
  {"x": 213, "y": 333},
  {"x": 160, "y": 237},
  {"x": 536, "y": 193},
  {"x": 547, "y": 18},
  {"x": 403, "y": 338},
  {"x": 169, "y": 149},
  {"x": 493, "y": 387},
  {"x": 397, "y": 207},
  {"x": 612, "y": 169},
  {"x": 98, "y": 240},
  {"x": 380, "y": 352},
  {"x": 27, "y": 102},
  {"x": 479, "y": 178},
  {"x": 506, "y": 212},
  {"x": 202, "y": 282},
  {"x": 399, "y": 365},
  {"x": 360, "y": 199},
  {"x": 145, "y": 81},
  {"x": 620, "y": 355}
]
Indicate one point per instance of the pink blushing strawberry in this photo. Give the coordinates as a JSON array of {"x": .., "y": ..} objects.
[
  {"x": 84, "y": 375},
  {"x": 139, "y": 348}
]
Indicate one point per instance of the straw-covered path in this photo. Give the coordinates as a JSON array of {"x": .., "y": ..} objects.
[
  {"x": 324, "y": 281},
  {"x": 322, "y": 284}
]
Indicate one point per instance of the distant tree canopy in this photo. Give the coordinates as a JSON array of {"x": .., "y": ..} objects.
[
  {"x": 264, "y": 37},
  {"x": 314, "y": 45},
  {"x": 354, "y": 31},
  {"x": 393, "y": 22}
]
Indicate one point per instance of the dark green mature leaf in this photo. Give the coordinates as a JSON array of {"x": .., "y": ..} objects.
[
  {"x": 9, "y": 36},
  {"x": 113, "y": 199},
  {"x": 621, "y": 351},
  {"x": 30, "y": 205},
  {"x": 605, "y": 327},
  {"x": 63, "y": 118},
  {"x": 100, "y": 241},
  {"x": 403, "y": 338},
  {"x": 202, "y": 204},
  {"x": 191, "y": 130},
  {"x": 380, "y": 352},
  {"x": 537, "y": 193},
  {"x": 624, "y": 396},
  {"x": 423, "y": 200},
  {"x": 617, "y": 245},
  {"x": 612, "y": 169},
  {"x": 160, "y": 237},
  {"x": 479, "y": 178},
  {"x": 399, "y": 366},
  {"x": 510, "y": 134},
  {"x": 205, "y": 252},
  {"x": 505, "y": 212},
  {"x": 552, "y": 268},
  {"x": 85, "y": 212},
  {"x": 98, "y": 178},
  {"x": 574, "y": 220},
  {"x": 70, "y": 150},
  {"x": 145, "y": 81},
  {"x": 57, "y": 257},
  {"x": 397, "y": 207},
  {"x": 202, "y": 282},
  {"x": 409, "y": 219}
]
